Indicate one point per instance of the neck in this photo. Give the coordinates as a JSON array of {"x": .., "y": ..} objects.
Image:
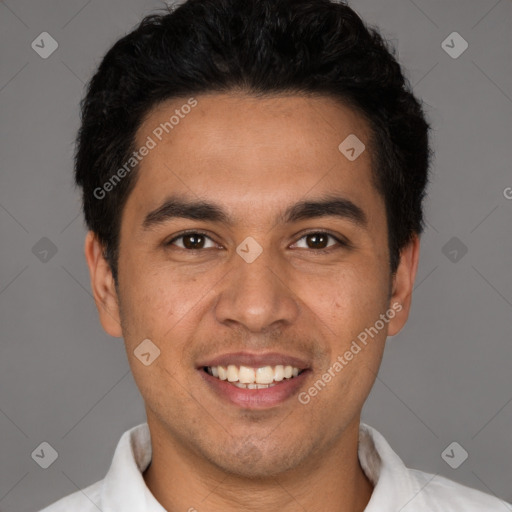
[{"x": 331, "y": 480}]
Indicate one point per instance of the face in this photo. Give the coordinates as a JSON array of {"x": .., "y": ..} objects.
[{"x": 287, "y": 265}]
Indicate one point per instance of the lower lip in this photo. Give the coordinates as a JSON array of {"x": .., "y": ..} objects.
[{"x": 255, "y": 398}]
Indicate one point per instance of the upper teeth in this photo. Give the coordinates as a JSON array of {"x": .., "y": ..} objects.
[{"x": 248, "y": 375}]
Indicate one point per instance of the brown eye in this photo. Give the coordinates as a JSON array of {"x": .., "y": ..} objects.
[
  {"x": 191, "y": 241},
  {"x": 317, "y": 240}
]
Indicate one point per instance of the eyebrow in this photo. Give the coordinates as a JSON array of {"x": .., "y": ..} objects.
[{"x": 327, "y": 206}]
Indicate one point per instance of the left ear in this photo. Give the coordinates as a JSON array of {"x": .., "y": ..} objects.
[{"x": 403, "y": 283}]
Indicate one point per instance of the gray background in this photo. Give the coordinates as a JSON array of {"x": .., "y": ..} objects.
[{"x": 446, "y": 377}]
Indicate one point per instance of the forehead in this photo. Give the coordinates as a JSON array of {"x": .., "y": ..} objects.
[{"x": 244, "y": 150}]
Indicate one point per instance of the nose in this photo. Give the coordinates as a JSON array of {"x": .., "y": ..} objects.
[{"x": 257, "y": 295}]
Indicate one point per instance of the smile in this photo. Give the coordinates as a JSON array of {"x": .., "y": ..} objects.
[{"x": 246, "y": 377}]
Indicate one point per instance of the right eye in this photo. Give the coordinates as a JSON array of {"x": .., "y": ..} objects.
[{"x": 191, "y": 241}]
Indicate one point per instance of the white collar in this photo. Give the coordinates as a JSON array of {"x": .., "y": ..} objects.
[
  {"x": 124, "y": 488},
  {"x": 394, "y": 485}
]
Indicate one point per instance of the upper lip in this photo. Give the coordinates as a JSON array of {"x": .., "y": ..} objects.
[{"x": 255, "y": 360}]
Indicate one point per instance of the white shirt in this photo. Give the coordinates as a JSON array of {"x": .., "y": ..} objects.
[{"x": 396, "y": 488}]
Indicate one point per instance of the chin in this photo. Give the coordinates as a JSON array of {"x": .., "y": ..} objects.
[{"x": 256, "y": 463}]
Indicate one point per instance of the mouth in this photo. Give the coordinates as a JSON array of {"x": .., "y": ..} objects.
[
  {"x": 254, "y": 381},
  {"x": 246, "y": 377}
]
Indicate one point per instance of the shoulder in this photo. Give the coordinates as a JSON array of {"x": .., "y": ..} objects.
[
  {"x": 85, "y": 500},
  {"x": 398, "y": 487},
  {"x": 441, "y": 494}
]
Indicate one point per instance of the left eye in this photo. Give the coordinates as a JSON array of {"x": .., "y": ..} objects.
[{"x": 317, "y": 240}]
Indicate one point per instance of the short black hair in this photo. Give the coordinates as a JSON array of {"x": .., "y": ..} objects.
[{"x": 261, "y": 47}]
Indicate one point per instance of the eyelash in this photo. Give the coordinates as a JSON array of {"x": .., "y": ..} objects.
[{"x": 321, "y": 251}]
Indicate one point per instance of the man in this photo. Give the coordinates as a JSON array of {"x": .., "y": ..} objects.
[{"x": 252, "y": 176}]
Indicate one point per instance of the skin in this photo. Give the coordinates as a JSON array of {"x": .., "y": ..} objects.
[{"x": 254, "y": 157}]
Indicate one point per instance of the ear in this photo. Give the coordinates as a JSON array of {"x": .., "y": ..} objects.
[
  {"x": 103, "y": 286},
  {"x": 403, "y": 283}
]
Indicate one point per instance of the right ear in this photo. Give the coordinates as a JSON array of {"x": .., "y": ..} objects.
[{"x": 103, "y": 286}]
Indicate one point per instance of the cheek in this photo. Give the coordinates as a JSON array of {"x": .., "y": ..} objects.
[
  {"x": 348, "y": 306},
  {"x": 347, "y": 301},
  {"x": 155, "y": 309},
  {"x": 163, "y": 306},
  {"x": 152, "y": 296}
]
